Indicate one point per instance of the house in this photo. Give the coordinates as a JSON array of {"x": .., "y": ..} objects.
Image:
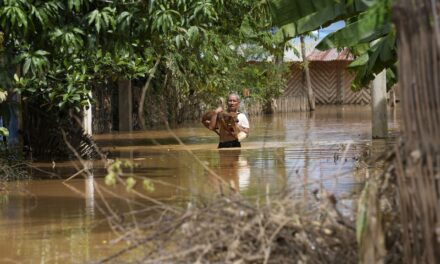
[{"x": 330, "y": 78}]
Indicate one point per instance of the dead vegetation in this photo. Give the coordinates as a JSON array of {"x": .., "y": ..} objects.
[
  {"x": 230, "y": 230},
  {"x": 277, "y": 229}
]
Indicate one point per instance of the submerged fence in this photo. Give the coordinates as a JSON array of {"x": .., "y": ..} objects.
[
  {"x": 280, "y": 105},
  {"x": 291, "y": 104}
]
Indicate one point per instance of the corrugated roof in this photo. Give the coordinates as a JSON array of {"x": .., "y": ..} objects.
[
  {"x": 290, "y": 55},
  {"x": 330, "y": 55}
]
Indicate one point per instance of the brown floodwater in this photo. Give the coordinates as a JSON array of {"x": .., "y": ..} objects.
[{"x": 50, "y": 220}]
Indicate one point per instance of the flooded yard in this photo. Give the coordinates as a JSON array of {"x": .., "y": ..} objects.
[{"x": 51, "y": 220}]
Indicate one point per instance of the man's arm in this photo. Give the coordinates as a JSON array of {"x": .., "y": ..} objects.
[
  {"x": 213, "y": 122},
  {"x": 244, "y": 129}
]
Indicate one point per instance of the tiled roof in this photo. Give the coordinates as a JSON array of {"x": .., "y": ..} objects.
[{"x": 330, "y": 55}]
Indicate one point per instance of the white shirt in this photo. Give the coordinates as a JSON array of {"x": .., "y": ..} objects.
[{"x": 242, "y": 120}]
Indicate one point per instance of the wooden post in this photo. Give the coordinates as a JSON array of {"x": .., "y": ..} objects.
[
  {"x": 310, "y": 95},
  {"x": 392, "y": 97},
  {"x": 87, "y": 119},
  {"x": 125, "y": 106},
  {"x": 379, "y": 119}
]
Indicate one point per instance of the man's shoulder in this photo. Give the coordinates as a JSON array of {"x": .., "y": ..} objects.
[
  {"x": 241, "y": 115},
  {"x": 242, "y": 118}
]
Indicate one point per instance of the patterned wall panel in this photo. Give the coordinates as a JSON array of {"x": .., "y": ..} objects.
[
  {"x": 361, "y": 97},
  {"x": 331, "y": 84},
  {"x": 295, "y": 84},
  {"x": 324, "y": 82}
]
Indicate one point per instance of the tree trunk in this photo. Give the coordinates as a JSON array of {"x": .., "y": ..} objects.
[
  {"x": 418, "y": 162},
  {"x": 102, "y": 108},
  {"x": 310, "y": 95},
  {"x": 125, "y": 105},
  {"x": 15, "y": 125}
]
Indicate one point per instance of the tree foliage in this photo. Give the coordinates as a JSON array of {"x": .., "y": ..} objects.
[{"x": 58, "y": 50}]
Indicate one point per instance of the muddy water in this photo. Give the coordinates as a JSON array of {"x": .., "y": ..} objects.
[{"x": 53, "y": 221}]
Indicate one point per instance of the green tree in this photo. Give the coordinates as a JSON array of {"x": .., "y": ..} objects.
[
  {"x": 63, "y": 48},
  {"x": 59, "y": 52}
]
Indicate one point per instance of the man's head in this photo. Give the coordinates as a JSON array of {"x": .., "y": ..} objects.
[{"x": 233, "y": 102}]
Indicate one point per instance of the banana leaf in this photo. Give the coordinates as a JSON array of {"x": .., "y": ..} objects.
[
  {"x": 369, "y": 33},
  {"x": 305, "y": 16},
  {"x": 371, "y": 25},
  {"x": 381, "y": 55}
]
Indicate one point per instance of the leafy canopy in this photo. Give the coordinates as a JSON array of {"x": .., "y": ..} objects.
[{"x": 59, "y": 50}]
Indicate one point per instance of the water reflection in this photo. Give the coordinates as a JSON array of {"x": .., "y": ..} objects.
[
  {"x": 233, "y": 170},
  {"x": 90, "y": 195},
  {"x": 244, "y": 173}
]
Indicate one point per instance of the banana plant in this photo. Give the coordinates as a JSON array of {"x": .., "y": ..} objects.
[
  {"x": 371, "y": 38},
  {"x": 368, "y": 32},
  {"x": 298, "y": 17}
]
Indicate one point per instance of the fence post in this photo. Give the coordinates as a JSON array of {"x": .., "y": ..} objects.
[{"x": 379, "y": 106}]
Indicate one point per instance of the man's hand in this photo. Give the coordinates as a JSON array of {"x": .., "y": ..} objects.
[
  {"x": 244, "y": 129},
  {"x": 219, "y": 110}
]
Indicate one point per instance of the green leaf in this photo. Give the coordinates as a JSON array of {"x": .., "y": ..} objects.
[
  {"x": 305, "y": 16},
  {"x": 4, "y": 131},
  {"x": 130, "y": 183},
  {"x": 360, "y": 61},
  {"x": 110, "y": 179},
  {"x": 382, "y": 55},
  {"x": 193, "y": 33},
  {"x": 148, "y": 185},
  {"x": 3, "y": 95},
  {"x": 372, "y": 24},
  {"x": 41, "y": 53},
  {"x": 361, "y": 219},
  {"x": 27, "y": 65}
]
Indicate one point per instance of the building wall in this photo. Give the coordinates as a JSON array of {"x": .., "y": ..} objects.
[{"x": 331, "y": 84}]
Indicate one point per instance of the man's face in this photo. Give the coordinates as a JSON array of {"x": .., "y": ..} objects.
[{"x": 233, "y": 103}]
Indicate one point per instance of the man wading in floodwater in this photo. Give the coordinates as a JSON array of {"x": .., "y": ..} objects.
[{"x": 230, "y": 134}]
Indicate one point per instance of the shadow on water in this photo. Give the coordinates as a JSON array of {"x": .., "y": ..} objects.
[{"x": 299, "y": 152}]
